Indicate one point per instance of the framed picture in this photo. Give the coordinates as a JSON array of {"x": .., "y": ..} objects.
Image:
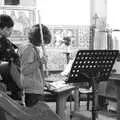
[{"x": 23, "y": 18}]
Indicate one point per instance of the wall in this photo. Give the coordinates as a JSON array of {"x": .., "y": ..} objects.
[{"x": 64, "y": 12}]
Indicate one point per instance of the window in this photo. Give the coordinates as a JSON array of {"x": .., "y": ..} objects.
[{"x": 113, "y": 20}]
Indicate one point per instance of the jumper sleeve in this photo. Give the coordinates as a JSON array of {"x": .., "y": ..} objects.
[{"x": 28, "y": 63}]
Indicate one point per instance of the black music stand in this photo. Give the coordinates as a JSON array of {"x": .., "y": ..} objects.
[{"x": 92, "y": 66}]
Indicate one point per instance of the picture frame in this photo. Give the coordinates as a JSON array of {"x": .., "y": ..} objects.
[{"x": 23, "y": 17}]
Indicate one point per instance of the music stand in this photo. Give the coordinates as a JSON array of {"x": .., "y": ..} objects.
[{"x": 92, "y": 66}]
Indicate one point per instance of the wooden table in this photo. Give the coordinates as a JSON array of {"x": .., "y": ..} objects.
[
  {"x": 116, "y": 79},
  {"x": 62, "y": 94}
]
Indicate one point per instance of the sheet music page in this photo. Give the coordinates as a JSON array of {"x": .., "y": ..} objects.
[{"x": 57, "y": 84}]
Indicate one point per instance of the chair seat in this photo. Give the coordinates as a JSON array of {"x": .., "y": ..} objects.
[
  {"x": 85, "y": 90},
  {"x": 49, "y": 96}
]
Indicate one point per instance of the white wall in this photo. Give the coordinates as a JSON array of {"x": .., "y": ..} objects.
[
  {"x": 28, "y": 3},
  {"x": 64, "y": 12},
  {"x": 113, "y": 15},
  {"x": 1, "y": 2}
]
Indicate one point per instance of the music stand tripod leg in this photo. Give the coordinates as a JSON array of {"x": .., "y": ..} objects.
[{"x": 95, "y": 85}]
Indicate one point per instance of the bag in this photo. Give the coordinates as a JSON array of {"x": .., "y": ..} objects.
[
  {"x": 16, "y": 75},
  {"x": 4, "y": 66}
]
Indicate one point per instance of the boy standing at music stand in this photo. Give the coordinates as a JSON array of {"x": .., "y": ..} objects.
[{"x": 32, "y": 74}]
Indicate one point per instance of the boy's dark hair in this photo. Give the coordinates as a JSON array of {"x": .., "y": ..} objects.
[
  {"x": 35, "y": 36},
  {"x": 6, "y": 21}
]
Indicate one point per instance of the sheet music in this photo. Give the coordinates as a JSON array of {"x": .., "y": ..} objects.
[{"x": 57, "y": 85}]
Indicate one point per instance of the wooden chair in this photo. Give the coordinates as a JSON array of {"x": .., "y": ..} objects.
[{"x": 85, "y": 94}]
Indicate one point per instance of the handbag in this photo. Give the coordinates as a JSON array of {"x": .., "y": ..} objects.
[{"x": 16, "y": 75}]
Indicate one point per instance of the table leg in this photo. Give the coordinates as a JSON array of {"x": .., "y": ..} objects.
[
  {"x": 76, "y": 100},
  {"x": 61, "y": 105}
]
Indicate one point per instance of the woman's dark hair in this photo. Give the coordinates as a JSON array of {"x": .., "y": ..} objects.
[
  {"x": 35, "y": 36},
  {"x": 6, "y": 21}
]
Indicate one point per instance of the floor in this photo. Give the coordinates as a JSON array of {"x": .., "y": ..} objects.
[{"x": 82, "y": 114}]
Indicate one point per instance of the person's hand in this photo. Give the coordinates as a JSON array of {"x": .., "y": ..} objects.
[
  {"x": 3, "y": 87},
  {"x": 44, "y": 59}
]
